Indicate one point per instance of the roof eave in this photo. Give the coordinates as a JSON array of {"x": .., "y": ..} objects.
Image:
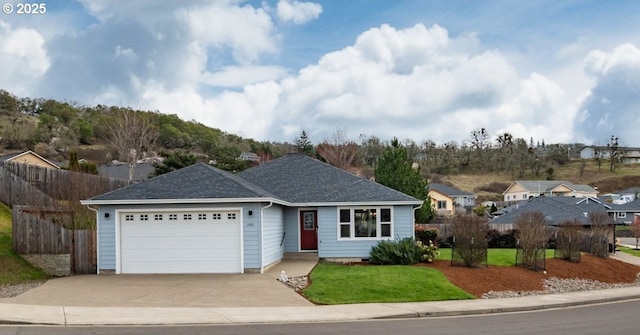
[
  {"x": 357, "y": 203},
  {"x": 178, "y": 201}
]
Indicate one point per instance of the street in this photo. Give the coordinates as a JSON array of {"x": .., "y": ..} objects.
[{"x": 611, "y": 318}]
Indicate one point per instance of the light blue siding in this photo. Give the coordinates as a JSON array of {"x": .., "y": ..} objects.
[
  {"x": 251, "y": 236},
  {"x": 291, "y": 225},
  {"x": 272, "y": 235},
  {"x": 330, "y": 247},
  {"x": 106, "y": 231}
]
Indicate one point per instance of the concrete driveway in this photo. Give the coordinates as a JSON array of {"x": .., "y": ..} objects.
[{"x": 188, "y": 290}]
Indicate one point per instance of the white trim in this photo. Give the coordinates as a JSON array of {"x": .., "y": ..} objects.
[
  {"x": 118, "y": 223},
  {"x": 352, "y": 234},
  {"x": 235, "y": 200},
  {"x": 179, "y": 201},
  {"x": 261, "y": 223},
  {"x": 35, "y": 154}
]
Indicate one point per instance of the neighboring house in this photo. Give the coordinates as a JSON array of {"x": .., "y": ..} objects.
[
  {"x": 627, "y": 213},
  {"x": 520, "y": 190},
  {"x": 445, "y": 199},
  {"x": 556, "y": 210},
  {"x": 249, "y": 156},
  {"x": 635, "y": 191},
  {"x": 627, "y": 154},
  {"x": 201, "y": 219},
  {"x": 121, "y": 171},
  {"x": 30, "y": 158}
]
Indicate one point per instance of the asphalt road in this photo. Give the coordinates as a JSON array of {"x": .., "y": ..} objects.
[{"x": 612, "y": 318}]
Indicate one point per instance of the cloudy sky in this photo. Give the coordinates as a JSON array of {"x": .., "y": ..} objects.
[{"x": 562, "y": 71}]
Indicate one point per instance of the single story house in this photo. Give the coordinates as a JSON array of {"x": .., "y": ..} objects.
[
  {"x": 627, "y": 155},
  {"x": 30, "y": 158},
  {"x": 625, "y": 214},
  {"x": 201, "y": 219},
  {"x": 520, "y": 190},
  {"x": 556, "y": 211},
  {"x": 445, "y": 199}
]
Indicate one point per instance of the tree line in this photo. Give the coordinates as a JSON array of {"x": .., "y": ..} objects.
[{"x": 60, "y": 127}]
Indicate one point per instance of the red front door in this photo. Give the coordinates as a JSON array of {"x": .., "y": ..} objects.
[{"x": 309, "y": 230}]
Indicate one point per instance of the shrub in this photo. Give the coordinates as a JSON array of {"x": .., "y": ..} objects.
[
  {"x": 470, "y": 241},
  {"x": 403, "y": 251},
  {"x": 426, "y": 234},
  {"x": 429, "y": 251}
]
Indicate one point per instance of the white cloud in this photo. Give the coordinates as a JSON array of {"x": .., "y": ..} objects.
[
  {"x": 239, "y": 76},
  {"x": 420, "y": 83},
  {"x": 611, "y": 107},
  {"x": 246, "y": 30},
  {"x": 298, "y": 12},
  {"x": 23, "y": 57}
]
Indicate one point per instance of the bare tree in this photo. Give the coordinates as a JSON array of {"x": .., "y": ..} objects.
[
  {"x": 601, "y": 227},
  {"x": 339, "y": 151},
  {"x": 470, "y": 240},
  {"x": 568, "y": 241},
  {"x": 612, "y": 146},
  {"x": 132, "y": 133},
  {"x": 532, "y": 235}
]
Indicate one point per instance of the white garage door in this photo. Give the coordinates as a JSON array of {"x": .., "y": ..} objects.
[{"x": 180, "y": 242}]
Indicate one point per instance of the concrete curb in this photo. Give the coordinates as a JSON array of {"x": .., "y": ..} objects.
[{"x": 68, "y": 316}]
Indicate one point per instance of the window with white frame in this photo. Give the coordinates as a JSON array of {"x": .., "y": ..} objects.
[
  {"x": 442, "y": 204},
  {"x": 621, "y": 215},
  {"x": 364, "y": 222}
]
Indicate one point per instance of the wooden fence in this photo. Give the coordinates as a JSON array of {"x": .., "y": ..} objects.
[
  {"x": 44, "y": 200},
  {"x": 33, "y": 234},
  {"x": 17, "y": 191},
  {"x": 57, "y": 184}
]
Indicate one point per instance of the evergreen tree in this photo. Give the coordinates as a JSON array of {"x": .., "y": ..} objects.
[
  {"x": 73, "y": 162},
  {"x": 173, "y": 161},
  {"x": 303, "y": 145},
  {"x": 395, "y": 171}
]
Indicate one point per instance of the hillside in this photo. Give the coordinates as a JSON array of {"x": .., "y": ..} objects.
[{"x": 625, "y": 176}]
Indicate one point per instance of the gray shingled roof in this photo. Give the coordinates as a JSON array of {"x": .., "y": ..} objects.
[
  {"x": 555, "y": 209},
  {"x": 630, "y": 190},
  {"x": 199, "y": 181},
  {"x": 292, "y": 179},
  {"x": 548, "y": 185},
  {"x": 297, "y": 178},
  {"x": 448, "y": 190},
  {"x": 633, "y": 206}
]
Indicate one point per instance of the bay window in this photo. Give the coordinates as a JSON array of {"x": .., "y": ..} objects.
[{"x": 370, "y": 223}]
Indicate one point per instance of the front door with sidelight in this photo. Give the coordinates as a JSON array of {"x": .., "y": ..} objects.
[{"x": 309, "y": 230}]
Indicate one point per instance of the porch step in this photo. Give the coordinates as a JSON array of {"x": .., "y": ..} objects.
[{"x": 300, "y": 256}]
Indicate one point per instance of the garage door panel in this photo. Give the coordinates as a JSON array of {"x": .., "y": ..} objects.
[{"x": 181, "y": 245}]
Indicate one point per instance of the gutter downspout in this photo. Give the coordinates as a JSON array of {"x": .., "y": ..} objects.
[
  {"x": 414, "y": 219},
  {"x": 97, "y": 238},
  {"x": 262, "y": 236}
]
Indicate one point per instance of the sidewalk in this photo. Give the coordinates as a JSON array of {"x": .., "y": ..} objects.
[
  {"x": 17, "y": 312},
  {"x": 69, "y": 315}
]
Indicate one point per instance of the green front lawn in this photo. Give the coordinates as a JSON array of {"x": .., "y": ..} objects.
[
  {"x": 495, "y": 256},
  {"x": 350, "y": 284},
  {"x": 13, "y": 269}
]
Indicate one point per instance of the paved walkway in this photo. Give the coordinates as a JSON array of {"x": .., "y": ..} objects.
[{"x": 15, "y": 311}]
